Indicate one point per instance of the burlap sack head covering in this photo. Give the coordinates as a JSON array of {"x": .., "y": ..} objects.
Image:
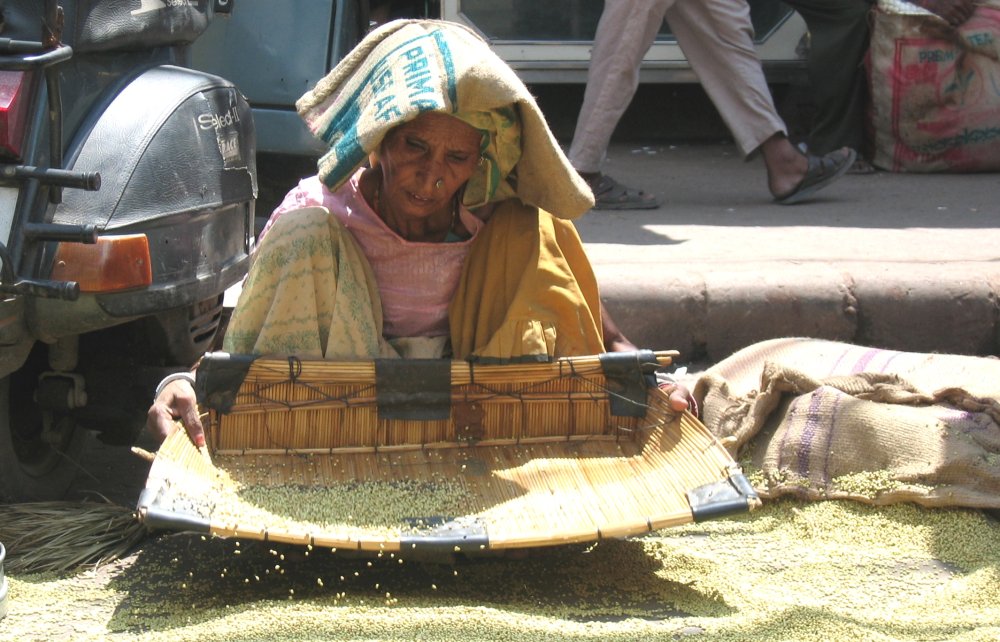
[{"x": 407, "y": 67}]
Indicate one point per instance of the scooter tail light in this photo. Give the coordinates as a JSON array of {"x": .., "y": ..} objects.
[
  {"x": 113, "y": 263},
  {"x": 15, "y": 99}
]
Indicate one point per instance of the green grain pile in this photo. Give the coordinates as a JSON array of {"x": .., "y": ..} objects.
[
  {"x": 371, "y": 505},
  {"x": 789, "y": 571}
]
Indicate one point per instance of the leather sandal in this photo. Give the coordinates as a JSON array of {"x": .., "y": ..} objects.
[
  {"x": 609, "y": 194},
  {"x": 822, "y": 171}
]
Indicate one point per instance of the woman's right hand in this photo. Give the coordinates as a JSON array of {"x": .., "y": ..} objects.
[{"x": 177, "y": 401}]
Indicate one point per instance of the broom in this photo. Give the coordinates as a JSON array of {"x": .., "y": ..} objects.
[{"x": 59, "y": 536}]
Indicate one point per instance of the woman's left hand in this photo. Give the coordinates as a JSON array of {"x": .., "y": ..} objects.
[
  {"x": 680, "y": 398},
  {"x": 614, "y": 341}
]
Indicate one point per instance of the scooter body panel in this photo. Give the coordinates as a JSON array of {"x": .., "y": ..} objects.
[
  {"x": 175, "y": 153},
  {"x": 175, "y": 149}
]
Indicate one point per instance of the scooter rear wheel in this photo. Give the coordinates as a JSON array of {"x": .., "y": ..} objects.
[{"x": 39, "y": 450}]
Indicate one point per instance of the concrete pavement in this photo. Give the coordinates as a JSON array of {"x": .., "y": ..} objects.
[{"x": 901, "y": 261}]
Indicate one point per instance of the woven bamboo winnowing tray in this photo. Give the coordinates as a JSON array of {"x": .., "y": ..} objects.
[{"x": 440, "y": 455}]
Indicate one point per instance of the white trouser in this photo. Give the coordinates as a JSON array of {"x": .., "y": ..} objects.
[{"x": 716, "y": 36}]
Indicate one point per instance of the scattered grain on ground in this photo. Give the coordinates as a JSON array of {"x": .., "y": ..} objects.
[{"x": 790, "y": 571}]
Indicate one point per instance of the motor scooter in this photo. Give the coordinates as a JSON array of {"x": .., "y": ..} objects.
[{"x": 127, "y": 190}]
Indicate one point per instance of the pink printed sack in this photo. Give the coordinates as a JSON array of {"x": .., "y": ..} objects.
[{"x": 935, "y": 90}]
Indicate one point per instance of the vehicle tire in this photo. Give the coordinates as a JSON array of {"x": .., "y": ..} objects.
[{"x": 39, "y": 450}]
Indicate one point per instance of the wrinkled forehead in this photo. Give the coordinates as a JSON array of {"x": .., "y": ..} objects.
[{"x": 439, "y": 127}]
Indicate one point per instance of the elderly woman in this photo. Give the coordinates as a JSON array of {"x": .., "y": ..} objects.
[{"x": 437, "y": 225}]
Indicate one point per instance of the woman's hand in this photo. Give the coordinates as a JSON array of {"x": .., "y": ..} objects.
[
  {"x": 177, "y": 401},
  {"x": 680, "y": 398},
  {"x": 615, "y": 341}
]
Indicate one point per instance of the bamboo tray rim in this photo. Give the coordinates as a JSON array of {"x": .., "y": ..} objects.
[{"x": 412, "y": 402}]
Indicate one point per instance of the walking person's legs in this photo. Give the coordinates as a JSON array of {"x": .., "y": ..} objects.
[
  {"x": 717, "y": 39},
  {"x": 625, "y": 33}
]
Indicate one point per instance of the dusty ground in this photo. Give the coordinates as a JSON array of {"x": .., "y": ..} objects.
[{"x": 790, "y": 571}]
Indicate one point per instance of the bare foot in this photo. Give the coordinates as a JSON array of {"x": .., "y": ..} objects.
[{"x": 786, "y": 165}]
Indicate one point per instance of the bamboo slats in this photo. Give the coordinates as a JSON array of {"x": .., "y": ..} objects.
[
  {"x": 324, "y": 405},
  {"x": 544, "y": 463}
]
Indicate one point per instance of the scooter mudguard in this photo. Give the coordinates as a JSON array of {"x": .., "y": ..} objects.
[{"x": 175, "y": 149}]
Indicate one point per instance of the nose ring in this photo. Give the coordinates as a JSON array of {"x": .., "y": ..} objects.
[{"x": 439, "y": 184}]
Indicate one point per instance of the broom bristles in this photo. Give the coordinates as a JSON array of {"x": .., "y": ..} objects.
[{"x": 59, "y": 536}]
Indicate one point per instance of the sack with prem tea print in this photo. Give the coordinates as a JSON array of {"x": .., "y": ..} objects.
[{"x": 935, "y": 89}]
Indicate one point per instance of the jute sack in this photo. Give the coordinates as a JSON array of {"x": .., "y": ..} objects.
[
  {"x": 934, "y": 89},
  {"x": 828, "y": 420}
]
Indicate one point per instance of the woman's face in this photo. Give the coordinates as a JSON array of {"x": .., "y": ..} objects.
[{"x": 416, "y": 155}]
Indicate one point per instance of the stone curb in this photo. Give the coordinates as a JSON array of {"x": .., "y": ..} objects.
[{"x": 709, "y": 315}]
